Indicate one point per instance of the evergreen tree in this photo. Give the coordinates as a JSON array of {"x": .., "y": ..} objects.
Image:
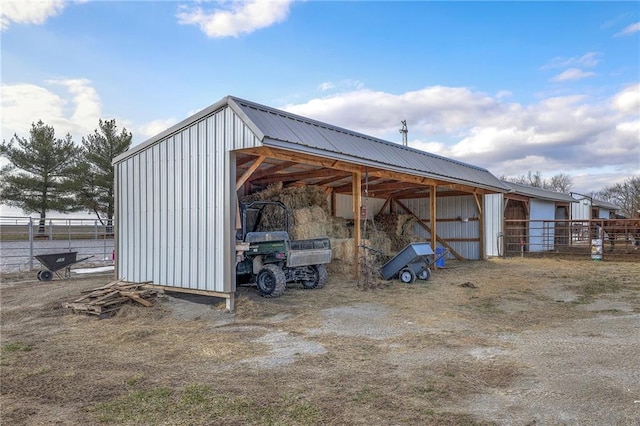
[
  {"x": 37, "y": 179},
  {"x": 95, "y": 186}
]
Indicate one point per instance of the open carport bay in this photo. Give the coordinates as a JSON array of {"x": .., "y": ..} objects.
[{"x": 537, "y": 341}]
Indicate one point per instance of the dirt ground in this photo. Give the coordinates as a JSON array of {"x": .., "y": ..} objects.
[{"x": 504, "y": 341}]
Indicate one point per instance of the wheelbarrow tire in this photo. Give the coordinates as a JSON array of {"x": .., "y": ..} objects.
[
  {"x": 46, "y": 275},
  {"x": 407, "y": 276},
  {"x": 39, "y": 275},
  {"x": 271, "y": 281},
  {"x": 425, "y": 275}
]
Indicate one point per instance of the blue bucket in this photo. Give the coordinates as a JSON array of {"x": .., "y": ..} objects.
[{"x": 439, "y": 252}]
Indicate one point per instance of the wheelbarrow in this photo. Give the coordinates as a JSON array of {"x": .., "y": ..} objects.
[
  {"x": 413, "y": 261},
  {"x": 56, "y": 262}
]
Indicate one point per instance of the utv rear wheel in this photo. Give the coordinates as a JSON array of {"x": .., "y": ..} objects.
[
  {"x": 271, "y": 281},
  {"x": 320, "y": 277}
]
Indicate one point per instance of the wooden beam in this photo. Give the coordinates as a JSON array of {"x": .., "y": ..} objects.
[
  {"x": 272, "y": 170},
  {"x": 432, "y": 216},
  {"x": 357, "y": 194},
  {"x": 425, "y": 226},
  {"x": 386, "y": 203},
  {"x": 249, "y": 171},
  {"x": 289, "y": 177},
  {"x": 483, "y": 239}
]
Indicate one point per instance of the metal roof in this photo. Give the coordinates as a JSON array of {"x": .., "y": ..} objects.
[
  {"x": 540, "y": 193},
  {"x": 604, "y": 204},
  {"x": 277, "y": 128},
  {"x": 281, "y": 129}
]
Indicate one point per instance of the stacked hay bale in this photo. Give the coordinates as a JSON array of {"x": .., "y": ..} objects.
[
  {"x": 310, "y": 218},
  {"x": 399, "y": 228}
]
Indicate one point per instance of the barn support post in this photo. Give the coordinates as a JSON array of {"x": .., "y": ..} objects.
[
  {"x": 432, "y": 216},
  {"x": 480, "y": 204},
  {"x": 357, "y": 202},
  {"x": 230, "y": 197}
]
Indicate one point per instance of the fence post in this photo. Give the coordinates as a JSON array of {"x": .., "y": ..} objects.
[
  {"x": 30, "y": 244},
  {"x": 50, "y": 229},
  {"x": 95, "y": 227}
]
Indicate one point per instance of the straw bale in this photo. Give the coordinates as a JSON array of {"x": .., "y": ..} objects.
[
  {"x": 338, "y": 228},
  {"x": 317, "y": 214},
  {"x": 302, "y": 216}
]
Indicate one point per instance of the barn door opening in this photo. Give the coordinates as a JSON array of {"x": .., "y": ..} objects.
[
  {"x": 515, "y": 227},
  {"x": 562, "y": 226}
]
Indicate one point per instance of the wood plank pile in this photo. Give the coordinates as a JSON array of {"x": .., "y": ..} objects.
[{"x": 106, "y": 300}]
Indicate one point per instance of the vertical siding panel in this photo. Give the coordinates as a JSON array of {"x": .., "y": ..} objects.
[
  {"x": 173, "y": 206},
  {"x": 493, "y": 220}
]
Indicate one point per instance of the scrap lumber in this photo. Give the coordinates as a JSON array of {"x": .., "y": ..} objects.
[{"x": 106, "y": 300}]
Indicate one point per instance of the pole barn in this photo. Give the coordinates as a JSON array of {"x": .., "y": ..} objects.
[{"x": 177, "y": 193}]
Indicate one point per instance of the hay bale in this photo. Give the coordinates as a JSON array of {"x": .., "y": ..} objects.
[
  {"x": 337, "y": 227},
  {"x": 318, "y": 214}
]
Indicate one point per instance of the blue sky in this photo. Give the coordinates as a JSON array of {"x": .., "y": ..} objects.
[{"x": 510, "y": 86}]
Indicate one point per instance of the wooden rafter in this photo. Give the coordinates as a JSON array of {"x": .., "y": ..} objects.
[
  {"x": 271, "y": 170},
  {"x": 249, "y": 171}
]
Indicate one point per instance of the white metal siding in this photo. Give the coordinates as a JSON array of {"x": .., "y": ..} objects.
[
  {"x": 175, "y": 214},
  {"x": 463, "y": 207},
  {"x": 493, "y": 222},
  {"x": 541, "y": 232},
  {"x": 581, "y": 210},
  {"x": 344, "y": 206}
]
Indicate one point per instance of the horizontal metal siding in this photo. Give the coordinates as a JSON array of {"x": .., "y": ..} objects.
[
  {"x": 463, "y": 207},
  {"x": 174, "y": 206},
  {"x": 344, "y": 206}
]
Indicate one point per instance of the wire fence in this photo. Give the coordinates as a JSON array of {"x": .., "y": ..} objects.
[
  {"x": 600, "y": 239},
  {"x": 23, "y": 238}
]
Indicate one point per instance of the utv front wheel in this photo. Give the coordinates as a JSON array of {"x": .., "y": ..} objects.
[
  {"x": 319, "y": 277},
  {"x": 271, "y": 281}
]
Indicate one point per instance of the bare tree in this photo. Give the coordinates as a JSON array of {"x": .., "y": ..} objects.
[
  {"x": 559, "y": 183},
  {"x": 626, "y": 195}
]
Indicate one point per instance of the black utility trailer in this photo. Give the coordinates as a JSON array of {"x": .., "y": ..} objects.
[
  {"x": 55, "y": 262},
  {"x": 410, "y": 263}
]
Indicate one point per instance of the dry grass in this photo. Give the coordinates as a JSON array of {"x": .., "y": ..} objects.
[{"x": 401, "y": 354}]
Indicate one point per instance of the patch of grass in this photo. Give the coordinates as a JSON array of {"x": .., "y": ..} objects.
[
  {"x": 365, "y": 395},
  {"x": 201, "y": 404},
  {"x": 131, "y": 381},
  {"x": 594, "y": 287},
  {"x": 16, "y": 347}
]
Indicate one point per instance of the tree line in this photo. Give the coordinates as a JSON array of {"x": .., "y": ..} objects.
[
  {"x": 625, "y": 195},
  {"x": 48, "y": 173}
]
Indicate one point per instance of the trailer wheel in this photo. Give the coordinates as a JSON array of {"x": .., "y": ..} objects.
[
  {"x": 320, "y": 277},
  {"x": 271, "y": 281},
  {"x": 45, "y": 275},
  {"x": 407, "y": 276},
  {"x": 425, "y": 275}
]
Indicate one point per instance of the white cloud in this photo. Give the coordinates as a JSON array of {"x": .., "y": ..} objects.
[
  {"x": 154, "y": 127},
  {"x": 28, "y": 11},
  {"x": 572, "y": 74},
  {"x": 76, "y": 110},
  {"x": 433, "y": 110},
  {"x": 628, "y": 100},
  {"x": 588, "y": 60},
  {"x": 631, "y": 29},
  {"x": 560, "y": 134},
  {"x": 233, "y": 19}
]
